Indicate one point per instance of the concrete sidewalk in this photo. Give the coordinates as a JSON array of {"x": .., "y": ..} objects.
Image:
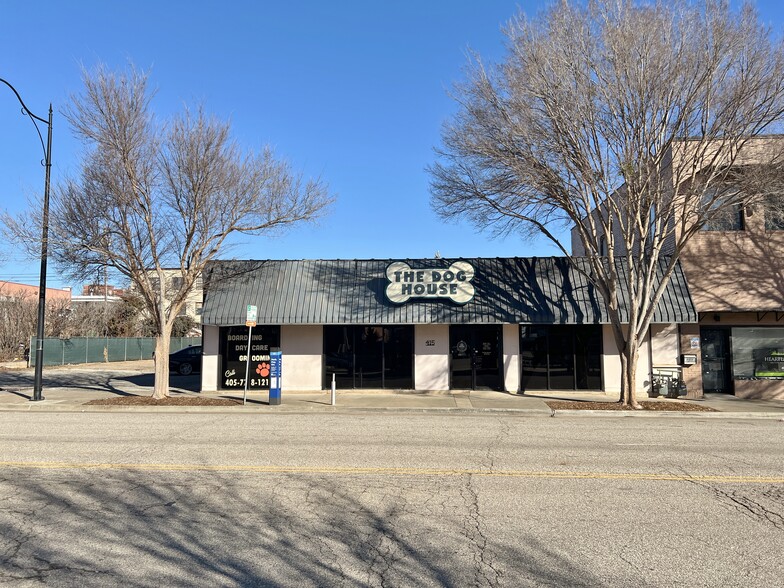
[{"x": 69, "y": 388}]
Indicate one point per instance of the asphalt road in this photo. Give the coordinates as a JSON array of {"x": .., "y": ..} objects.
[{"x": 144, "y": 499}]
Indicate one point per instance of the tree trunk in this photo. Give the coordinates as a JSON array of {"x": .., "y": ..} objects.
[
  {"x": 624, "y": 383},
  {"x": 629, "y": 359},
  {"x": 162, "y": 345}
]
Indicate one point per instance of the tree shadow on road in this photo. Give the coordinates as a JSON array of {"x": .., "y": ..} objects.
[{"x": 93, "y": 527}]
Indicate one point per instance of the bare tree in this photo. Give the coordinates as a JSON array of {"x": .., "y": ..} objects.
[
  {"x": 18, "y": 318},
  {"x": 632, "y": 123},
  {"x": 17, "y": 324},
  {"x": 154, "y": 196}
]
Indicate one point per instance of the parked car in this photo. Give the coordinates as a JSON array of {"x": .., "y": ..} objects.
[{"x": 185, "y": 361}]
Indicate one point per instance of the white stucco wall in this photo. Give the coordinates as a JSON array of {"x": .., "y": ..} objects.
[
  {"x": 611, "y": 364},
  {"x": 210, "y": 361},
  {"x": 302, "y": 347},
  {"x": 511, "y": 357},
  {"x": 644, "y": 368},
  {"x": 664, "y": 345},
  {"x": 431, "y": 363}
]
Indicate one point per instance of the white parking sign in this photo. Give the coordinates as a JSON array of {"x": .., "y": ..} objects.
[{"x": 250, "y": 318}]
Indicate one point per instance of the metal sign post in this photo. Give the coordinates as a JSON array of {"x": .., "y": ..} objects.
[{"x": 250, "y": 322}]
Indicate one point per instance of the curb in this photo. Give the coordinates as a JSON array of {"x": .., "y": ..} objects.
[
  {"x": 670, "y": 413},
  {"x": 283, "y": 409}
]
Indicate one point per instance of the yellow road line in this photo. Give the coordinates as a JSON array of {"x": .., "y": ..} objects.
[{"x": 271, "y": 469}]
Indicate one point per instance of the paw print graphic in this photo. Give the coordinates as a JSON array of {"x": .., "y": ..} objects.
[{"x": 263, "y": 369}]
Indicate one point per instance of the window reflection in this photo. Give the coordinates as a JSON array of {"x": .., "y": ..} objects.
[
  {"x": 726, "y": 214},
  {"x": 369, "y": 356},
  {"x": 561, "y": 357}
]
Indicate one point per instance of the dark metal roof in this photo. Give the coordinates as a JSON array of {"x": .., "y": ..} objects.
[{"x": 535, "y": 290}]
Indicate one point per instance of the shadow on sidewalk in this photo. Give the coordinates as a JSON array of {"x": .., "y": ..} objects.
[
  {"x": 97, "y": 381},
  {"x": 18, "y": 393},
  {"x": 176, "y": 382}
]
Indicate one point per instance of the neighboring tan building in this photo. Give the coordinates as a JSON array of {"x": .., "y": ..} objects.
[
  {"x": 735, "y": 275},
  {"x": 193, "y": 304},
  {"x": 735, "y": 272}
]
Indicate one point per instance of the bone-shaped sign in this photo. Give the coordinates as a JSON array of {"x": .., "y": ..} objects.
[{"x": 453, "y": 282}]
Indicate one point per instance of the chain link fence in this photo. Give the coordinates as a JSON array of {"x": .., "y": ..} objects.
[{"x": 99, "y": 349}]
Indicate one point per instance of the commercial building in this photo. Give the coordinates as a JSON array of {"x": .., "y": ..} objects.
[
  {"x": 16, "y": 291},
  {"x": 736, "y": 277},
  {"x": 192, "y": 305},
  {"x": 511, "y": 324},
  {"x": 735, "y": 274}
]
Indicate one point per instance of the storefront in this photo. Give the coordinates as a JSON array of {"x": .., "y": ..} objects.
[
  {"x": 513, "y": 324},
  {"x": 743, "y": 353}
]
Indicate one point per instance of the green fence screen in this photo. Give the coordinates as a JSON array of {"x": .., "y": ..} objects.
[{"x": 98, "y": 349}]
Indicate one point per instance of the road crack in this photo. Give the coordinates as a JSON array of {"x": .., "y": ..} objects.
[
  {"x": 485, "y": 572},
  {"x": 745, "y": 503}
]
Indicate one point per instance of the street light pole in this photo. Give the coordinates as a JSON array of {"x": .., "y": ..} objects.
[{"x": 39, "y": 338}]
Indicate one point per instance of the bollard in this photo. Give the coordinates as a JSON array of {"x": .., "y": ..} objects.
[{"x": 333, "y": 389}]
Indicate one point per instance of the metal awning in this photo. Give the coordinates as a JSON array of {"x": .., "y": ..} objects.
[{"x": 517, "y": 290}]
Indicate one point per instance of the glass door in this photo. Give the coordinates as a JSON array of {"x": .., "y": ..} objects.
[
  {"x": 475, "y": 357},
  {"x": 399, "y": 357},
  {"x": 715, "y": 347},
  {"x": 561, "y": 358}
]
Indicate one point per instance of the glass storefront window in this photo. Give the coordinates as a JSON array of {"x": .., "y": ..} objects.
[
  {"x": 561, "y": 357},
  {"x": 234, "y": 354},
  {"x": 758, "y": 352},
  {"x": 369, "y": 356},
  {"x": 533, "y": 356}
]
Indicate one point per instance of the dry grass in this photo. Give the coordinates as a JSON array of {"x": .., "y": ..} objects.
[
  {"x": 674, "y": 406},
  {"x": 171, "y": 401}
]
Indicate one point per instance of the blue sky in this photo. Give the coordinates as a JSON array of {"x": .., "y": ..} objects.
[{"x": 352, "y": 91}]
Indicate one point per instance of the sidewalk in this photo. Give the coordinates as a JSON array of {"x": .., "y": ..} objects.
[{"x": 70, "y": 388}]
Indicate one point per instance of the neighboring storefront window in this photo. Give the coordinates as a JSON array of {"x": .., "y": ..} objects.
[
  {"x": 233, "y": 356},
  {"x": 757, "y": 352},
  {"x": 369, "y": 356}
]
